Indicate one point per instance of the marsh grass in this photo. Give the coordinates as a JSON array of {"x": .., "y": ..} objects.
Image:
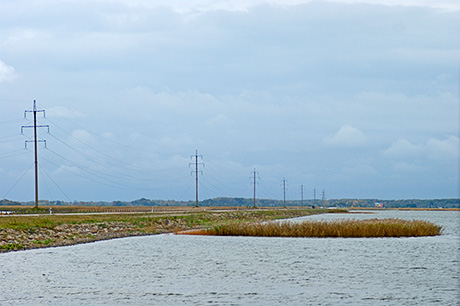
[{"x": 337, "y": 228}]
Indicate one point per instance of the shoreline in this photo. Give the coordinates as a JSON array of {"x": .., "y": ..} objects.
[
  {"x": 26, "y": 232},
  {"x": 43, "y": 231}
]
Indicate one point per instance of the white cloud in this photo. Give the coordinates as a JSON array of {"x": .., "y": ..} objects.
[
  {"x": 451, "y": 5},
  {"x": 447, "y": 149},
  {"x": 403, "y": 149},
  {"x": 218, "y": 121},
  {"x": 64, "y": 112},
  {"x": 65, "y": 170},
  {"x": 7, "y": 73},
  {"x": 174, "y": 143},
  {"x": 434, "y": 149},
  {"x": 241, "y": 5},
  {"x": 82, "y": 136},
  {"x": 346, "y": 136}
]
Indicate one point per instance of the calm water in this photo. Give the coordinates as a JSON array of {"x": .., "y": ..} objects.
[{"x": 193, "y": 270}]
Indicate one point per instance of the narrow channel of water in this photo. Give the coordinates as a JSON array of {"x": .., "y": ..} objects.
[{"x": 196, "y": 270}]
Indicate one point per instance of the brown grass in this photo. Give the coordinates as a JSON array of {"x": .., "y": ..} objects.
[{"x": 338, "y": 228}]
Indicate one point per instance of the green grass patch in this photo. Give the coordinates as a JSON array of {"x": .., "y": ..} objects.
[
  {"x": 44, "y": 242},
  {"x": 11, "y": 246}
]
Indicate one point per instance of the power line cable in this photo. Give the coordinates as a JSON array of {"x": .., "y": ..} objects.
[
  {"x": 9, "y": 136},
  {"x": 14, "y": 185},
  {"x": 122, "y": 171},
  {"x": 94, "y": 173},
  {"x": 10, "y": 141},
  {"x": 268, "y": 194},
  {"x": 211, "y": 174},
  {"x": 104, "y": 162},
  {"x": 13, "y": 153},
  {"x": 45, "y": 182},
  {"x": 49, "y": 176},
  {"x": 89, "y": 146},
  {"x": 105, "y": 139},
  {"x": 211, "y": 186},
  {"x": 205, "y": 190},
  {"x": 11, "y": 121},
  {"x": 187, "y": 189},
  {"x": 89, "y": 170},
  {"x": 92, "y": 159},
  {"x": 79, "y": 175}
]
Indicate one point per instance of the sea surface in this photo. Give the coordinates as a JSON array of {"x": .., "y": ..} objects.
[{"x": 207, "y": 270}]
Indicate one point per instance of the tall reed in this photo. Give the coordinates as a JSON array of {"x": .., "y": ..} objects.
[{"x": 320, "y": 228}]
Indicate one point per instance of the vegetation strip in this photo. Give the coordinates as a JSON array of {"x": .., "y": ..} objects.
[
  {"x": 337, "y": 228},
  {"x": 29, "y": 232}
]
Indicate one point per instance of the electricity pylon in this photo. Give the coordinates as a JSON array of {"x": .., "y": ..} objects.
[
  {"x": 197, "y": 164},
  {"x": 302, "y": 187},
  {"x": 314, "y": 197},
  {"x": 284, "y": 192},
  {"x": 35, "y": 141},
  {"x": 254, "y": 181}
]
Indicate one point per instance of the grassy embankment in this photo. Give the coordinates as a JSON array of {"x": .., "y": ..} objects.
[
  {"x": 29, "y": 232},
  {"x": 320, "y": 228}
]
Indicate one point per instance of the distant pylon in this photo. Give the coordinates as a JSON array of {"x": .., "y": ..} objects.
[
  {"x": 314, "y": 196},
  {"x": 197, "y": 164},
  {"x": 35, "y": 141},
  {"x": 284, "y": 192},
  {"x": 254, "y": 181},
  {"x": 301, "y": 194}
]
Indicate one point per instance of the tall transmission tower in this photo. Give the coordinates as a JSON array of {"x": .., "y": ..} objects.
[
  {"x": 284, "y": 192},
  {"x": 35, "y": 141},
  {"x": 323, "y": 198},
  {"x": 197, "y": 165},
  {"x": 254, "y": 180},
  {"x": 314, "y": 197},
  {"x": 302, "y": 188}
]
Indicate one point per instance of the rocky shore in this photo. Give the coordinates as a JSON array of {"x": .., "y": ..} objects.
[
  {"x": 31, "y": 232},
  {"x": 69, "y": 234}
]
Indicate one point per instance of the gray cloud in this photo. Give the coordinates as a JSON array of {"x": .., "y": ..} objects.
[
  {"x": 7, "y": 73},
  {"x": 319, "y": 92}
]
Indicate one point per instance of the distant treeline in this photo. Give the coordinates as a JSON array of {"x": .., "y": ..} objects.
[
  {"x": 412, "y": 203},
  {"x": 245, "y": 202}
]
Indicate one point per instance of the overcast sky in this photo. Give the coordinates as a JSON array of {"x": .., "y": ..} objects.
[{"x": 356, "y": 98}]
